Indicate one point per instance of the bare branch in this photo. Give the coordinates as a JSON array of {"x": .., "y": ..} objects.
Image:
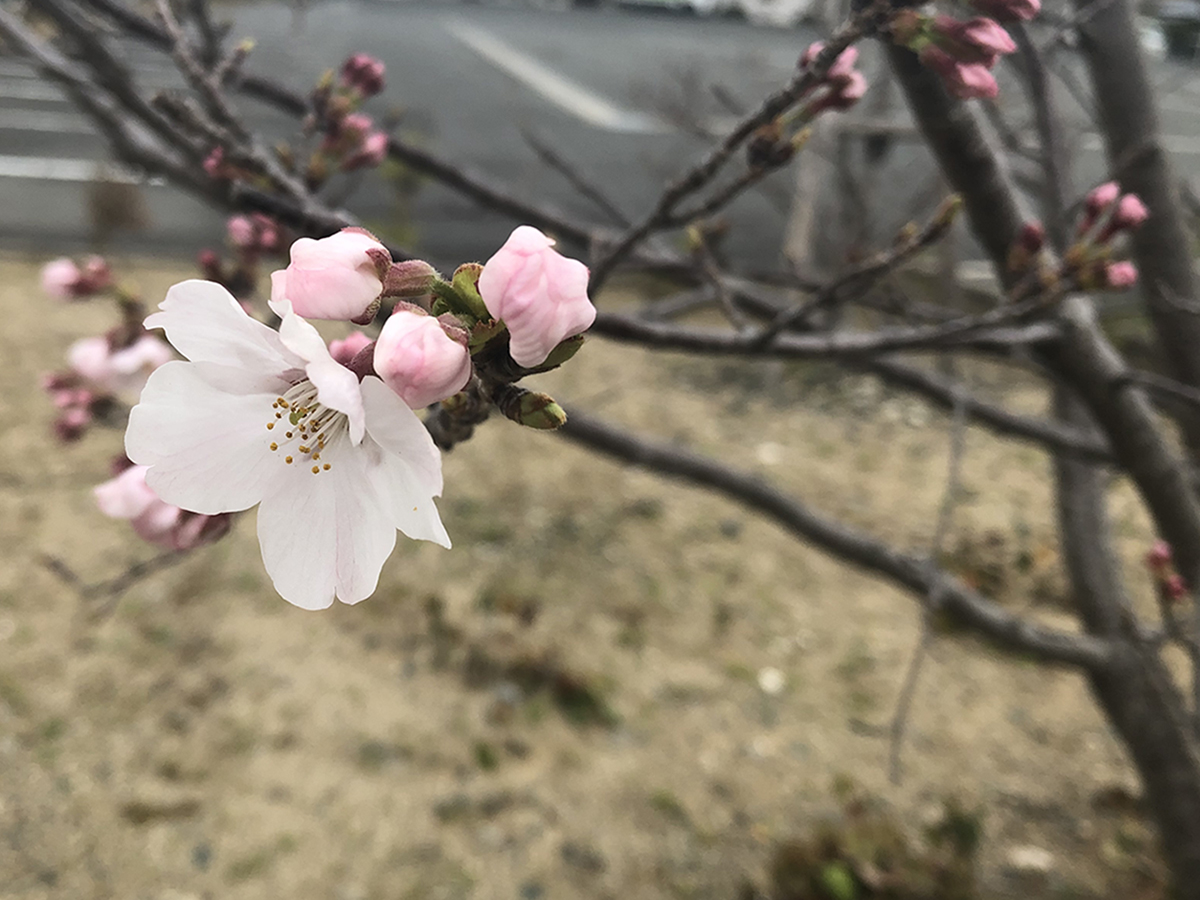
[
  {"x": 960, "y": 602},
  {"x": 933, "y": 600}
]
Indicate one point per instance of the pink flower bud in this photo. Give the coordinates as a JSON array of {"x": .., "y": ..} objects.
[
  {"x": 120, "y": 371},
  {"x": 127, "y": 496},
  {"x": 540, "y": 295},
  {"x": 965, "y": 80},
  {"x": 336, "y": 277},
  {"x": 1120, "y": 275},
  {"x": 214, "y": 163},
  {"x": 356, "y": 125},
  {"x": 210, "y": 266},
  {"x": 96, "y": 275},
  {"x": 418, "y": 360},
  {"x": 241, "y": 232},
  {"x": 363, "y": 73},
  {"x": 371, "y": 152},
  {"x": 1174, "y": 587},
  {"x": 1008, "y": 10},
  {"x": 71, "y": 425},
  {"x": 1130, "y": 213},
  {"x": 842, "y": 94},
  {"x": 975, "y": 41},
  {"x": 61, "y": 278},
  {"x": 1158, "y": 557},
  {"x": 1032, "y": 237},
  {"x": 348, "y": 347},
  {"x": 1101, "y": 197}
]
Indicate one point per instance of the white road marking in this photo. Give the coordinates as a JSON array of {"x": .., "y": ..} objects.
[
  {"x": 1182, "y": 144},
  {"x": 53, "y": 122},
  {"x": 558, "y": 89},
  {"x": 25, "y": 89},
  {"x": 40, "y": 168}
]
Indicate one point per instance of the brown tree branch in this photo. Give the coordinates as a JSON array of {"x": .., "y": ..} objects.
[{"x": 962, "y": 604}]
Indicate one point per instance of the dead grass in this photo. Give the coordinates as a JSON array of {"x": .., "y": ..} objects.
[{"x": 566, "y": 704}]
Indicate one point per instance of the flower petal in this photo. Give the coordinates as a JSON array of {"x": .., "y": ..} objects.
[
  {"x": 205, "y": 324},
  {"x": 325, "y": 534},
  {"x": 208, "y": 450},
  {"x": 400, "y": 432}
]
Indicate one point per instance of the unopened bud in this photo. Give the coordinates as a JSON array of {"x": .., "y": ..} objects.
[
  {"x": 410, "y": 281},
  {"x": 421, "y": 360},
  {"x": 1120, "y": 275},
  {"x": 1159, "y": 556},
  {"x": 1174, "y": 587},
  {"x": 529, "y": 408}
]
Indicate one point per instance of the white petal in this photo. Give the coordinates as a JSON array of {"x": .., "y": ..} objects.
[
  {"x": 208, "y": 450},
  {"x": 406, "y": 498},
  {"x": 294, "y": 534},
  {"x": 337, "y": 387},
  {"x": 400, "y": 432},
  {"x": 297, "y": 334},
  {"x": 205, "y": 324},
  {"x": 325, "y": 533}
]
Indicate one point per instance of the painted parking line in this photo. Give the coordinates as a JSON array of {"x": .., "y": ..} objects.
[
  {"x": 41, "y": 120},
  {"x": 554, "y": 87},
  {"x": 41, "y": 168},
  {"x": 1181, "y": 144},
  {"x": 27, "y": 89}
]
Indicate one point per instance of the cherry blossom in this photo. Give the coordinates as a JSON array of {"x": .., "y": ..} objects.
[
  {"x": 539, "y": 294},
  {"x": 255, "y": 416}
]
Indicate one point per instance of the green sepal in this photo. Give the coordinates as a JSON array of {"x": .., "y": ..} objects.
[
  {"x": 559, "y": 355},
  {"x": 466, "y": 283},
  {"x": 482, "y": 334},
  {"x": 450, "y": 301}
]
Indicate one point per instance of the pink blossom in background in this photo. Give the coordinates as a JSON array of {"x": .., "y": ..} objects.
[
  {"x": 121, "y": 371},
  {"x": 539, "y": 294},
  {"x": 363, "y": 73},
  {"x": 418, "y": 360},
  {"x": 1102, "y": 197},
  {"x": 1130, "y": 213},
  {"x": 214, "y": 163},
  {"x": 347, "y": 348},
  {"x": 977, "y": 40},
  {"x": 241, "y": 232},
  {"x": 1159, "y": 556},
  {"x": 337, "y": 277},
  {"x": 1121, "y": 275},
  {"x": 371, "y": 152},
  {"x": 127, "y": 496},
  {"x": 60, "y": 278},
  {"x": 965, "y": 80}
]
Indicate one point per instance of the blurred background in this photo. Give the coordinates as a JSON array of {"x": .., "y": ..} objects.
[{"x": 613, "y": 686}]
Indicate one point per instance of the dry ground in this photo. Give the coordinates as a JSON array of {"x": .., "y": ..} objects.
[{"x": 207, "y": 740}]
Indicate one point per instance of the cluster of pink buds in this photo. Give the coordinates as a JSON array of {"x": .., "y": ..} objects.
[
  {"x": 253, "y": 234},
  {"x": 842, "y": 86},
  {"x": 962, "y": 53},
  {"x": 100, "y": 370},
  {"x": 363, "y": 75},
  {"x": 127, "y": 496},
  {"x": 353, "y": 142},
  {"x": 527, "y": 293},
  {"x": 62, "y": 279},
  {"x": 1107, "y": 215},
  {"x": 1160, "y": 562},
  {"x": 78, "y": 406}
]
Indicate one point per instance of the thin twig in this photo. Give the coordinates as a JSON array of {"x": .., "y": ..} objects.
[{"x": 933, "y": 598}]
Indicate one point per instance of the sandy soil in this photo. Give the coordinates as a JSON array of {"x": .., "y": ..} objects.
[{"x": 568, "y": 703}]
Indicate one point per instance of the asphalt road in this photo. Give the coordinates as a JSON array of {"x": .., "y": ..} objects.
[{"x": 616, "y": 92}]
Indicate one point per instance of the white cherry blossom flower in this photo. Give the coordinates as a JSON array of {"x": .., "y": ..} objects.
[{"x": 258, "y": 416}]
